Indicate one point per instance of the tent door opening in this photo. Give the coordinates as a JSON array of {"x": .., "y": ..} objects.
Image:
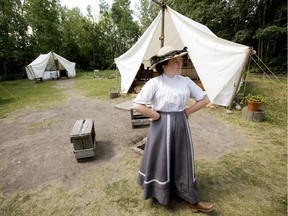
[
  {"x": 63, "y": 73},
  {"x": 143, "y": 75}
]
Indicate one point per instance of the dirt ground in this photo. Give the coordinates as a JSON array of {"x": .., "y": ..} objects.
[{"x": 35, "y": 146}]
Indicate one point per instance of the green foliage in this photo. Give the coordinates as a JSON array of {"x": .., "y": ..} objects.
[
  {"x": 255, "y": 98},
  {"x": 126, "y": 30},
  {"x": 44, "y": 20}
]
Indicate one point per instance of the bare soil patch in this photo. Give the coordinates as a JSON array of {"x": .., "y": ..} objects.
[{"x": 35, "y": 146}]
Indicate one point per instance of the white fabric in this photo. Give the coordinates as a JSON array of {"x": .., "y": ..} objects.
[
  {"x": 218, "y": 62},
  {"x": 37, "y": 68},
  {"x": 168, "y": 94}
]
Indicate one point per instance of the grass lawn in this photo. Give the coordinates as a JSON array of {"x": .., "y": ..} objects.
[
  {"x": 100, "y": 85},
  {"x": 248, "y": 182},
  {"x": 27, "y": 94}
]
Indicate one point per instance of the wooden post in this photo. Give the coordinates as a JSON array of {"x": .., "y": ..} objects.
[{"x": 242, "y": 72}]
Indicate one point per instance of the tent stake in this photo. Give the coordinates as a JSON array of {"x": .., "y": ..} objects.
[{"x": 241, "y": 75}]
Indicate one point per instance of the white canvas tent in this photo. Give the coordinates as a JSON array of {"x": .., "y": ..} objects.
[
  {"x": 218, "y": 62},
  {"x": 47, "y": 66}
]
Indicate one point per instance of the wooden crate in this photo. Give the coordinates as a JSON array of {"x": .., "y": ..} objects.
[
  {"x": 137, "y": 119},
  {"x": 83, "y": 138}
]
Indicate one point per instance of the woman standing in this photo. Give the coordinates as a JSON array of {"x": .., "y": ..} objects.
[{"x": 167, "y": 165}]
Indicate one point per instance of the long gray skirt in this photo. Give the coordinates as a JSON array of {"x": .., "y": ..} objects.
[{"x": 167, "y": 165}]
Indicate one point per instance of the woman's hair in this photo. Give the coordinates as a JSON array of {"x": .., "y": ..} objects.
[{"x": 159, "y": 67}]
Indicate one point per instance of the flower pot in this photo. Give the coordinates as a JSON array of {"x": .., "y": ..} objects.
[{"x": 253, "y": 106}]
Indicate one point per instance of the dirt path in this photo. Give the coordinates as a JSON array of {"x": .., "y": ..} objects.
[{"x": 35, "y": 146}]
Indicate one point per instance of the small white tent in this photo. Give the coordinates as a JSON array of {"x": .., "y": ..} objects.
[
  {"x": 218, "y": 62},
  {"x": 47, "y": 66}
]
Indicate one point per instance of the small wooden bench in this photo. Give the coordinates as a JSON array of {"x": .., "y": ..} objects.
[
  {"x": 83, "y": 138},
  {"x": 137, "y": 119}
]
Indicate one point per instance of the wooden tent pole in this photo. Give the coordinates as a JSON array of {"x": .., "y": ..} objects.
[
  {"x": 242, "y": 72},
  {"x": 56, "y": 64},
  {"x": 163, "y": 6},
  {"x": 163, "y": 25}
]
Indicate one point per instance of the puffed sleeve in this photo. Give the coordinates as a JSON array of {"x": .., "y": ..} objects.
[
  {"x": 147, "y": 92},
  {"x": 195, "y": 91}
]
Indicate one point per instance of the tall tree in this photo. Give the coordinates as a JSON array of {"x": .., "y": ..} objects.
[
  {"x": 44, "y": 20},
  {"x": 126, "y": 29},
  {"x": 13, "y": 39},
  {"x": 147, "y": 12}
]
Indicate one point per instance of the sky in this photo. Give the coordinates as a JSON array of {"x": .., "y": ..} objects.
[{"x": 82, "y": 5}]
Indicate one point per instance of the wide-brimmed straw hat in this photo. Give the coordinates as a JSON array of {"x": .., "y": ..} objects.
[{"x": 166, "y": 53}]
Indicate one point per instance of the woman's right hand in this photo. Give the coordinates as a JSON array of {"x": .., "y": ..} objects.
[
  {"x": 156, "y": 118},
  {"x": 144, "y": 110}
]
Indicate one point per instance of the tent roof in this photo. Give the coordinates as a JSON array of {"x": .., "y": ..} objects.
[{"x": 218, "y": 62}]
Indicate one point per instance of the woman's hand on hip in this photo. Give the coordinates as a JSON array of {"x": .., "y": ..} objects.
[{"x": 156, "y": 116}]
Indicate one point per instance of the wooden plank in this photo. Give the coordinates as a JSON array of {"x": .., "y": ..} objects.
[
  {"x": 86, "y": 128},
  {"x": 76, "y": 129},
  {"x": 139, "y": 122},
  {"x": 84, "y": 153}
]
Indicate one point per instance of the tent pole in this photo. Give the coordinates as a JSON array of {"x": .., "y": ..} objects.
[
  {"x": 242, "y": 72},
  {"x": 161, "y": 38},
  {"x": 163, "y": 27},
  {"x": 55, "y": 64}
]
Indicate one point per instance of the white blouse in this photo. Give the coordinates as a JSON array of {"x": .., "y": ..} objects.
[{"x": 168, "y": 94}]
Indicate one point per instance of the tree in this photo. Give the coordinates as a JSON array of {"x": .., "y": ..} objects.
[
  {"x": 44, "y": 20},
  {"x": 147, "y": 12},
  {"x": 126, "y": 31},
  {"x": 13, "y": 39}
]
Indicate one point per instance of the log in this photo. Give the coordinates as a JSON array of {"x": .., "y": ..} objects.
[{"x": 255, "y": 116}]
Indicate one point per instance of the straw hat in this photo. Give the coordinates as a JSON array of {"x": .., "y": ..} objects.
[{"x": 166, "y": 53}]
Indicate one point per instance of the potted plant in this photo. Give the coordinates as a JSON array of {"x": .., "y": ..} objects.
[{"x": 254, "y": 101}]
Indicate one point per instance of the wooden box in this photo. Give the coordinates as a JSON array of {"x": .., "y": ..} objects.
[
  {"x": 83, "y": 138},
  {"x": 137, "y": 119}
]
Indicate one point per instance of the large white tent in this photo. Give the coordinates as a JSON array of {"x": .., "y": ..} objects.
[
  {"x": 47, "y": 66},
  {"x": 218, "y": 62}
]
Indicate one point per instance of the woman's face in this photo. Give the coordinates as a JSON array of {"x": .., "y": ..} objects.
[{"x": 173, "y": 66}]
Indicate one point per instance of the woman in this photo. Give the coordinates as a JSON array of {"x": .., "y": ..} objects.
[{"x": 167, "y": 165}]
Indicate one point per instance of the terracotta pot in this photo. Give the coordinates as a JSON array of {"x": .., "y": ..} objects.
[{"x": 253, "y": 106}]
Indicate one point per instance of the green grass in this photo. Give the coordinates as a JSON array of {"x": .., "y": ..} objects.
[
  {"x": 98, "y": 86},
  {"x": 26, "y": 94},
  {"x": 252, "y": 181}
]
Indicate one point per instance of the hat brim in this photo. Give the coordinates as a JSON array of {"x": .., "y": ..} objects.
[{"x": 152, "y": 67}]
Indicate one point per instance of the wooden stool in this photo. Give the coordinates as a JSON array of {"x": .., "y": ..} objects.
[{"x": 83, "y": 138}]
